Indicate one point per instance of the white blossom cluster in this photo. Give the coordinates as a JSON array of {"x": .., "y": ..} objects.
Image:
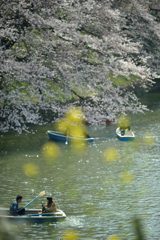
[{"x": 57, "y": 53}]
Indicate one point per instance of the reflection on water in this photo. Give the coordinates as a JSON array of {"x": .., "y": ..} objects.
[{"x": 100, "y": 198}]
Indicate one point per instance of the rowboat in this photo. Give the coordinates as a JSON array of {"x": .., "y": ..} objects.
[
  {"x": 54, "y": 135},
  {"x": 125, "y": 135},
  {"x": 33, "y": 216}
]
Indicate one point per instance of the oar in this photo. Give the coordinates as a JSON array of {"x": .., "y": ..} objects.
[
  {"x": 40, "y": 195},
  {"x": 110, "y": 135},
  {"x": 98, "y": 138},
  {"x": 139, "y": 134}
]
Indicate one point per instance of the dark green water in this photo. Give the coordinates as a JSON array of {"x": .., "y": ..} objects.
[{"x": 92, "y": 192}]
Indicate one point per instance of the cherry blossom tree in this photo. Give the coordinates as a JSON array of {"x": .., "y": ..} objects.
[{"x": 54, "y": 54}]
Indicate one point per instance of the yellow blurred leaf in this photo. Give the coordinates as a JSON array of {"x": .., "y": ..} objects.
[
  {"x": 61, "y": 125},
  {"x": 30, "y": 169},
  {"x": 149, "y": 138},
  {"x": 113, "y": 237},
  {"x": 78, "y": 131},
  {"x": 70, "y": 234},
  {"x": 110, "y": 154},
  {"x": 123, "y": 121},
  {"x": 50, "y": 151},
  {"x": 126, "y": 177},
  {"x": 74, "y": 115}
]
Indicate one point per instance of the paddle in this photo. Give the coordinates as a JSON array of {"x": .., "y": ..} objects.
[
  {"x": 98, "y": 138},
  {"x": 40, "y": 195},
  {"x": 110, "y": 135},
  {"x": 139, "y": 134}
]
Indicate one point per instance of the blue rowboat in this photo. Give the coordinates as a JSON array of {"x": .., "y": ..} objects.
[
  {"x": 58, "y": 136},
  {"x": 33, "y": 216},
  {"x": 126, "y": 135}
]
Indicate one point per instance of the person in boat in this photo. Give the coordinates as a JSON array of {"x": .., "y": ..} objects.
[
  {"x": 50, "y": 206},
  {"x": 14, "y": 210},
  {"x": 122, "y": 131},
  {"x": 128, "y": 131}
]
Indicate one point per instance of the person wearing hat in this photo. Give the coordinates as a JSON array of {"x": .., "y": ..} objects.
[
  {"x": 14, "y": 210},
  {"x": 50, "y": 206}
]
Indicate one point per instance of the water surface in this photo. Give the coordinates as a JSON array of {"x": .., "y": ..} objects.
[{"x": 100, "y": 198}]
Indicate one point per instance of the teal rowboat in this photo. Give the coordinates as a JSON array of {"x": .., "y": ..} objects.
[
  {"x": 58, "y": 136},
  {"x": 126, "y": 135},
  {"x": 33, "y": 216}
]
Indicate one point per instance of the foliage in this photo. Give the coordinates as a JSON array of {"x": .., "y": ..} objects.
[{"x": 54, "y": 53}]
